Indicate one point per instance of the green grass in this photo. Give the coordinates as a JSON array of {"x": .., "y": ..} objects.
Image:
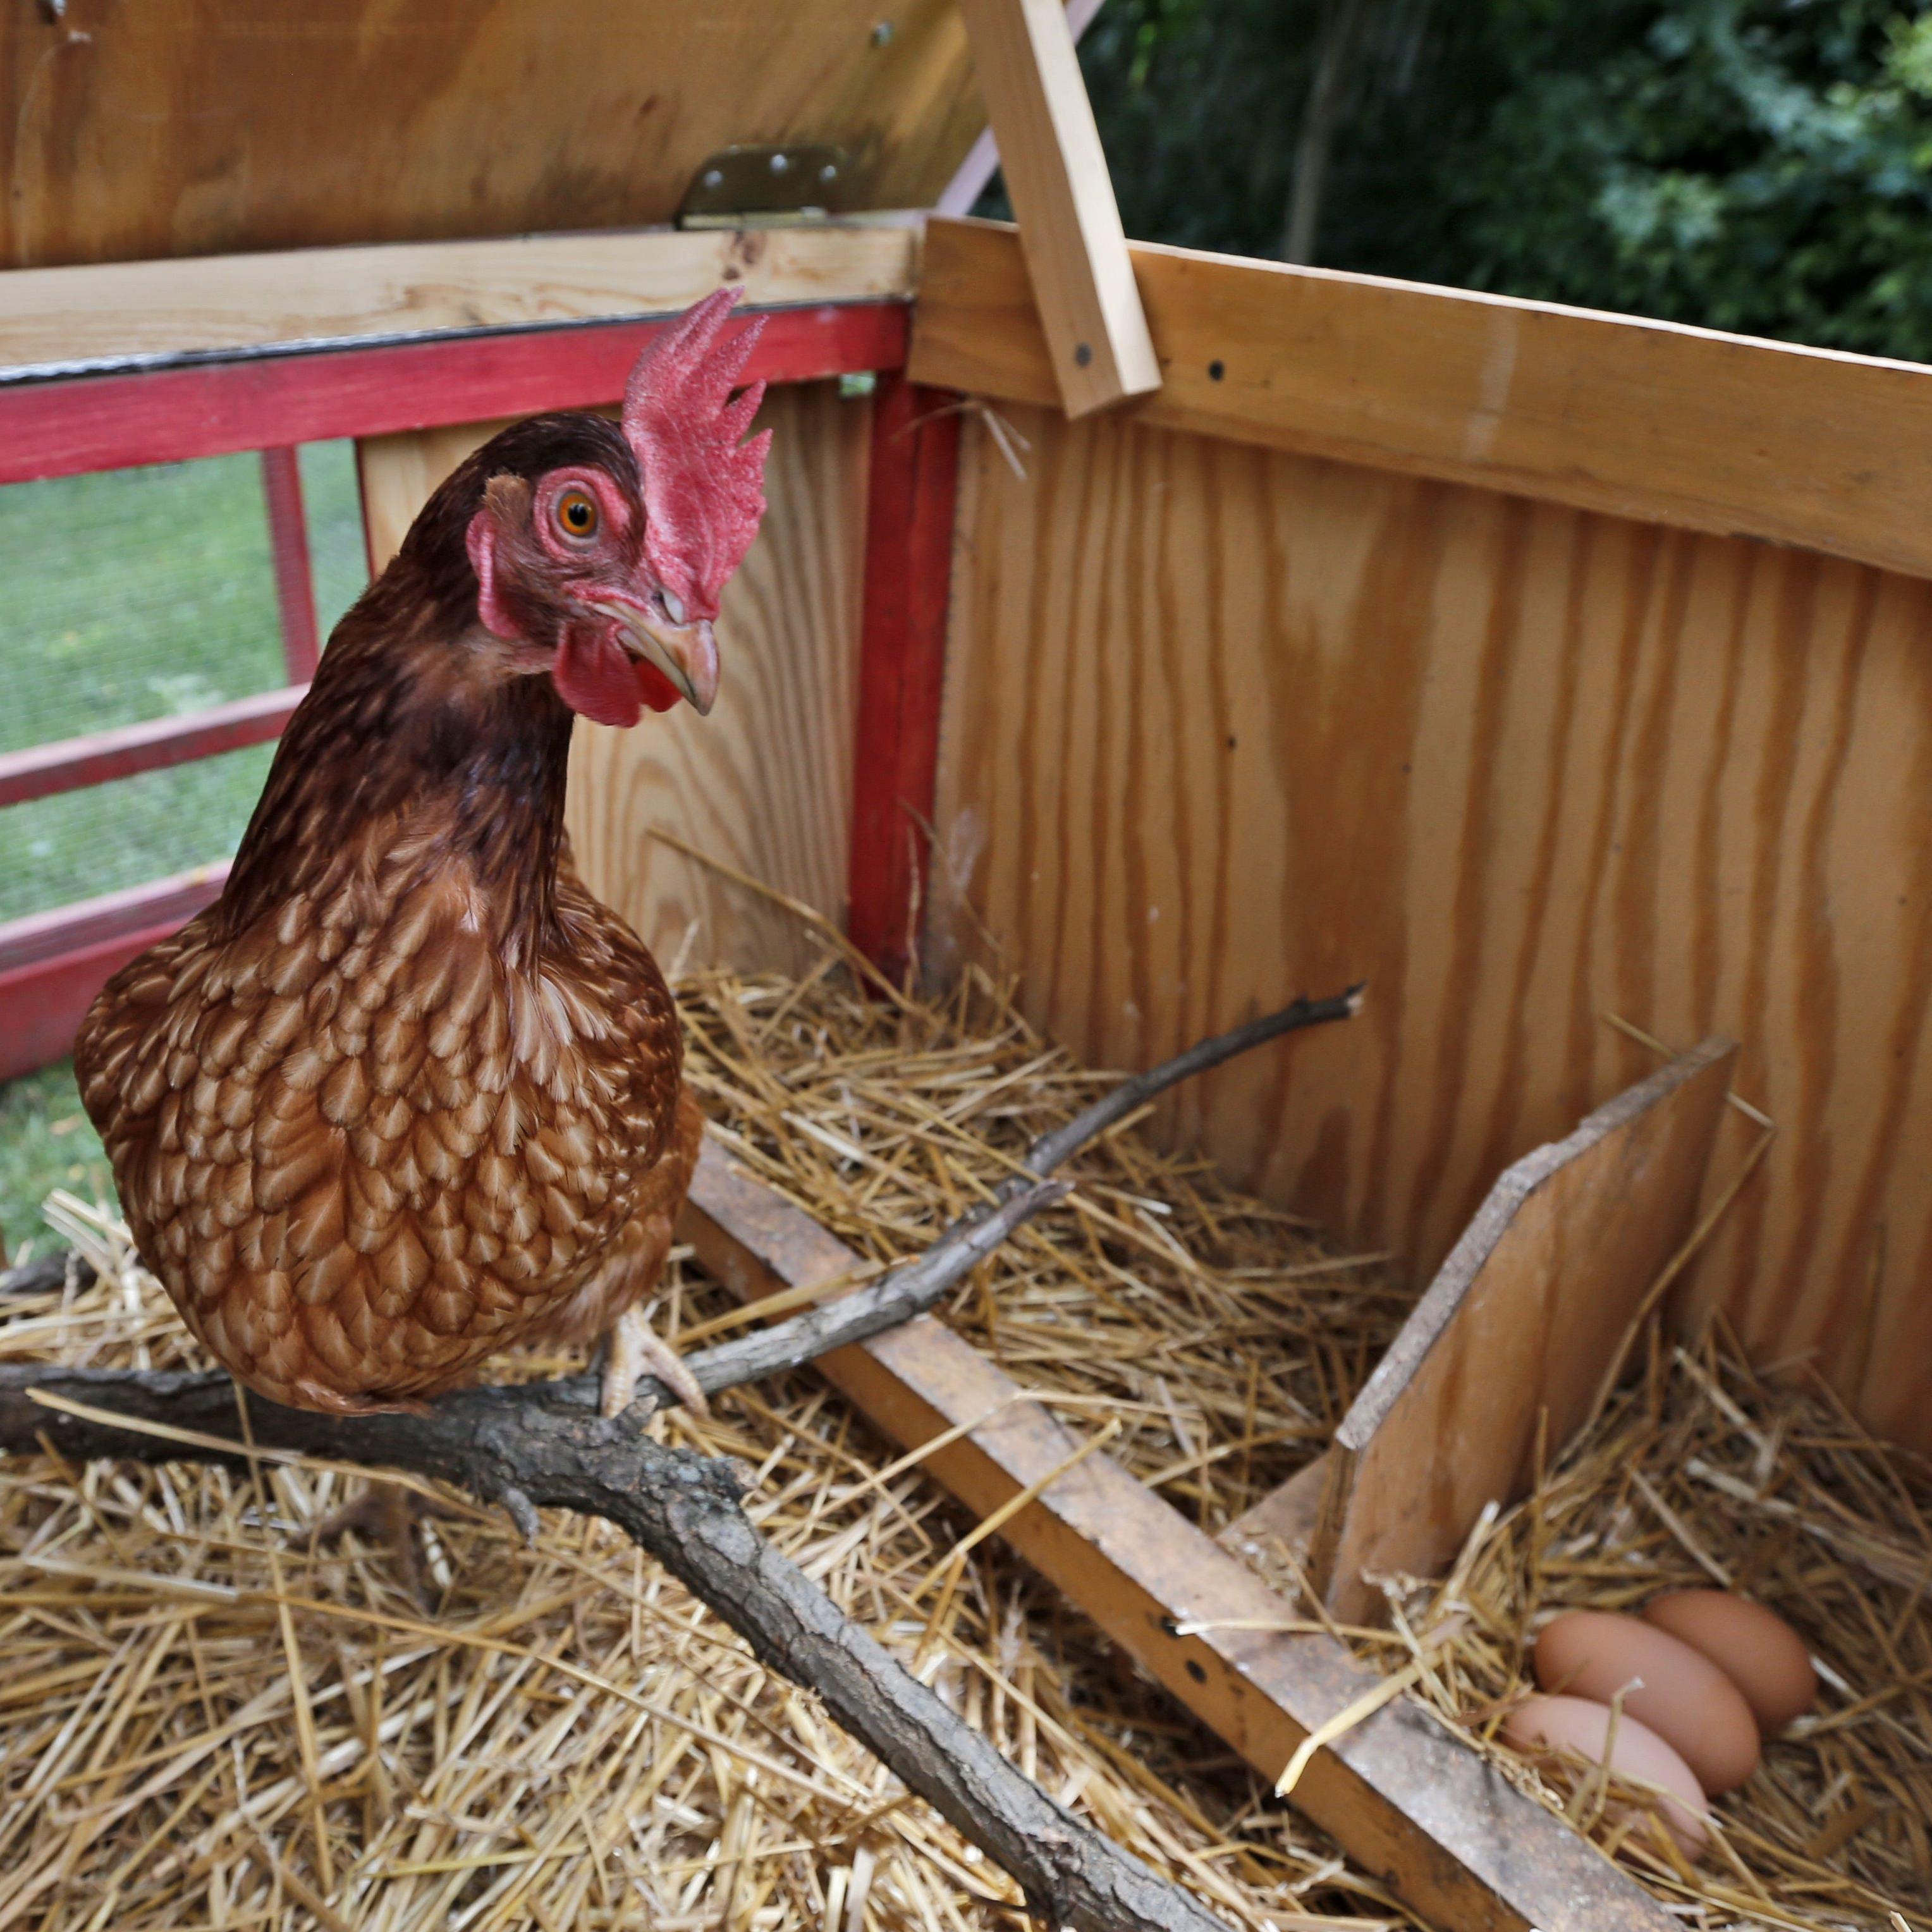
[
  {"x": 45, "y": 1142},
  {"x": 136, "y": 594}
]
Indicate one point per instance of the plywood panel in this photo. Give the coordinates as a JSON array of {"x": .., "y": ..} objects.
[
  {"x": 764, "y": 783},
  {"x": 1524, "y": 1326},
  {"x": 1225, "y": 724},
  {"x": 1648, "y": 419},
  {"x": 144, "y": 128}
]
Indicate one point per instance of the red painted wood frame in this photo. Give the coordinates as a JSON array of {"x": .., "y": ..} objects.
[
  {"x": 909, "y": 529},
  {"x": 52, "y": 964}
]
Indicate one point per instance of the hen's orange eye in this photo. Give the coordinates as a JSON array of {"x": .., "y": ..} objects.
[{"x": 577, "y": 513}]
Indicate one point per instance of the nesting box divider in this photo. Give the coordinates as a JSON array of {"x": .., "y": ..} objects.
[{"x": 1523, "y": 1329}]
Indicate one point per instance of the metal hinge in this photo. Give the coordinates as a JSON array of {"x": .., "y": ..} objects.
[{"x": 766, "y": 187}]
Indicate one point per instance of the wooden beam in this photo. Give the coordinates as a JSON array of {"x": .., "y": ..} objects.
[
  {"x": 1409, "y": 1803},
  {"x": 1070, "y": 223},
  {"x": 1651, "y": 420},
  {"x": 60, "y": 426},
  {"x": 67, "y": 319},
  {"x": 68, "y": 928},
  {"x": 1521, "y": 1328},
  {"x": 909, "y": 534},
  {"x": 68, "y": 764},
  {"x": 288, "y": 546}
]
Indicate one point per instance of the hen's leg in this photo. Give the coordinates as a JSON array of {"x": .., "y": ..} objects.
[
  {"x": 632, "y": 1350},
  {"x": 388, "y": 1516}
]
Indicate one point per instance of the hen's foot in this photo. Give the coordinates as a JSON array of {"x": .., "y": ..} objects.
[
  {"x": 387, "y": 1515},
  {"x": 631, "y": 1352}
]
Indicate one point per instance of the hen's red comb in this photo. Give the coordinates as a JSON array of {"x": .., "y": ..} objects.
[{"x": 703, "y": 487}]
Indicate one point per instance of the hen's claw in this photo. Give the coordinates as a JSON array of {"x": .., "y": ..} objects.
[
  {"x": 387, "y": 1514},
  {"x": 633, "y": 1350}
]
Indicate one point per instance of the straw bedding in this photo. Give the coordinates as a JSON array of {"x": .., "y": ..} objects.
[
  {"x": 566, "y": 1739},
  {"x": 562, "y": 1738}
]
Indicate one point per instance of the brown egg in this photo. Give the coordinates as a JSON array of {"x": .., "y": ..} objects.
[
  {"x": 1678, "y": 1691},
  {"x": 1755, "y": 1647},
  {"x": 1575, "y": 1724}
]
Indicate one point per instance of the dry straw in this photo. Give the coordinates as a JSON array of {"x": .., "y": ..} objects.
[{"x": 563, "y": 1738}]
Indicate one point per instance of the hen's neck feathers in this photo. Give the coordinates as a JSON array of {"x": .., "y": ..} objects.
[{"x": 416, "y": 756}]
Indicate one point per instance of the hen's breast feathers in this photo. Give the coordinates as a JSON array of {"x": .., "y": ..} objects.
[{"x": 362, "y": 1149}]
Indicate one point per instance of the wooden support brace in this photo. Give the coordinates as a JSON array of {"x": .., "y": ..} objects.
[
  {"x": 1522, "y": 1328},
  {"x": 914, "y": 469},
  {"x": 1408, "y": 1802},
  {"x": 1056, "y": 175}
]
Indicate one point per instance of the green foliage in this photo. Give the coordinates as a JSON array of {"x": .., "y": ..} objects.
[
  {"x": 1758, "y": 165},
  {"x": 1763, "y": 166}
]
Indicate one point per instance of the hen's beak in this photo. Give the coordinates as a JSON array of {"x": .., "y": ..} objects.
[{"x": 687, "y": 654}]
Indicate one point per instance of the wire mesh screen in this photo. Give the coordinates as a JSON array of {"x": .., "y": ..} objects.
[{"x": 143, "y": 594}]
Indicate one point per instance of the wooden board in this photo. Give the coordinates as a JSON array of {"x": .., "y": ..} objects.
[
  {"x": 765, "y": 782},
  {"x": 1092, "y": 324},
  {"x": 180, "y": 127},
  {"x": 1225, "y": 725},
  {"x": 79, "y": 317},
  {"x": 1412, "y": 1805},
  {"x": 1520, "y": 1331},
  {"x": 1647, "y": 419}
]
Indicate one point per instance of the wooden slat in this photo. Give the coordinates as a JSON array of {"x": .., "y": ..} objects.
[
  {"x": 1092, "y": 322},
  {"x": 57, "y": 428},
  {"x": 69, "y": 319},
  {"x": 182, "y": 127},
  {"x": 288, "y": 548},
  {"x": 765, "y": 782},
  {"x": 67, "y": 764},
  {"x": 69, "y": 928},
  {"x": 1645, "y": 419},
  {"x": 1445, "y": 1832},
  {"x": 1519, "y": 1330},
  {"x": 1223, "y": 724},
  {"x": 909, "y": 531}
]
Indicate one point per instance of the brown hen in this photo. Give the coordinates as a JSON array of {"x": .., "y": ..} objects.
[{"x": 406, "y": 1093}]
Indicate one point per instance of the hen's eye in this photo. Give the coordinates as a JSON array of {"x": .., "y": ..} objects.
[{"x": 577, "y": 513}]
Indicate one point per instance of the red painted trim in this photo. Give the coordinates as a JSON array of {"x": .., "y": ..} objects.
[
  {"x": 288, "y": 542},
  {"x": 909, "y": 516},
  {"x": 67, "y": 424},
  {"x": 41, "y": 770},
  {"x": 43, "y": 1004},
  {"x": 70, "y": 929}
]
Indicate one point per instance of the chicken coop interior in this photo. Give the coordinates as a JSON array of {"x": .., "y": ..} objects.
[{"x": 1136, "y": 642}]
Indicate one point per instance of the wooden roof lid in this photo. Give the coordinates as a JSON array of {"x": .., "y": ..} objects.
[{"x": 149, "y": 128}]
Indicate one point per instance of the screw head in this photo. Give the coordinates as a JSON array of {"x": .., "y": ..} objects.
[
  {"x": 828, "y": 172},
  {"x": 1083, "y": 353},
  {"x": 781, "y": 162},
  {"x": 882, "y": 33},
  {"x": 1216, "y": 370},
  {"x": 714, "y": 177}
]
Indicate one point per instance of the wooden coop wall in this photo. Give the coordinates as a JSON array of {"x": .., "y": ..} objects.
[
  {"x": 764, "y": 784},
  {"x": 140, "y": 129},
  {"x": 1226, "y": 723}
]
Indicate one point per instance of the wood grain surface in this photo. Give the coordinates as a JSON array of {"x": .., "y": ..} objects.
[
  {"x": 1226, "y": 724},
  {"x": 1646, "y": 419},
  {"x": 176, "y": 128},
  {"x": 764, "y": 783},
  {"x": 116, "y": 310},
  {"x": 1523, "y": 1325},
  {"x": 1410, "y": 1803}
]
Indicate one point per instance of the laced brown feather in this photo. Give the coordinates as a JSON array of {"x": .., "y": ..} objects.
[{"x": 406, "y": 1093}]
